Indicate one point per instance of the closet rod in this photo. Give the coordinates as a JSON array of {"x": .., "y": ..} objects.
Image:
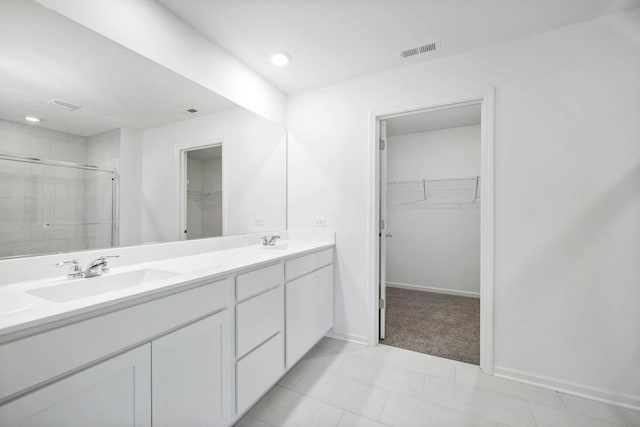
[{"x": 50, "y": 162}]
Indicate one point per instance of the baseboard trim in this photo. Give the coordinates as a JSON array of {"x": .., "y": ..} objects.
[
  {"x": 346, "y": 336},
  {"x": 435, "y": 290},
  {"x": 566, "y": 387}
]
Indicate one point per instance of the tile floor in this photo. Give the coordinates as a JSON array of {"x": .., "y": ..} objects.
[{"x": 342, "y": 384}]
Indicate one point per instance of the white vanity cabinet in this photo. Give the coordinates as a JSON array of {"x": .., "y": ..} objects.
[
  {"x": 200, "y": 355},
  {"x": 192, "y": 374},
  {"x": 116, "y": 392},
  {"x": 309, "y": 302},
  {"x": 183, "y": 358}
]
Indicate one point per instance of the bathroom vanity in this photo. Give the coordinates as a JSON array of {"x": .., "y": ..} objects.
[{"x": 193, "y": 340}]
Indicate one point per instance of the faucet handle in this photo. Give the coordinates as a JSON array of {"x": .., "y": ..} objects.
[
  {"x": 102, "y": 263},
  {"x": 73, "y": 262},
  {"x": 75, "y": 271}
]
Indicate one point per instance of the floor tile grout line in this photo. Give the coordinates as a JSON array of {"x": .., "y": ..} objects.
[
  {"x": 328, "y": 404},
  {"x": 533, "y": 415},
  {"x": 368, "y": 418},
  {"x": 341, "y": 417},
  {"x": 384, "y": 405}
]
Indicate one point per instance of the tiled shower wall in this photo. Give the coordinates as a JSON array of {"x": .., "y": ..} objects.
[{"x": 44, "y": 209}]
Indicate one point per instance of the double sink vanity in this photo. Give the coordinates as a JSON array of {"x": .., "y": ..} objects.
[{"x": 171, "y": 341}]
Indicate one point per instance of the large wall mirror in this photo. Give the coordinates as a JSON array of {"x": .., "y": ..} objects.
[{"x": 101, "y": 147}]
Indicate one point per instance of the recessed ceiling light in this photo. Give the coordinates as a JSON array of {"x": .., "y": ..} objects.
[
  {"x": 32, "y": 119},
  {"x": 280, "y": 59}
]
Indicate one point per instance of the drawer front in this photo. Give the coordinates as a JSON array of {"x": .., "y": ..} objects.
[
  {"x": 94, "y": 338},
  {"x": 308, "y": 263},
  {"x": 258, "y": 371},
  {"x": 253, "y": 283},
  {"x": 258, "y": 319}
]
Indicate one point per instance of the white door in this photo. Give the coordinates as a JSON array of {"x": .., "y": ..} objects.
[
  {"x": 114, "y": 393},
  {"x": 192, "y": 374},
  {"x": 382, "y": 233}
]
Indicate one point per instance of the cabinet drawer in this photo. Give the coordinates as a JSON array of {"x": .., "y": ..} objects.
[
  {"x": 258, "y": 371},
  {"x": 305, "y": 264},
  {"x": 258, "y": 319},
  {"x": 253, "y": 283}
]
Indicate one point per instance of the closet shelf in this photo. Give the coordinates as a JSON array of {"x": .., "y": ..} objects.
[{"x": 428, "y": 189}]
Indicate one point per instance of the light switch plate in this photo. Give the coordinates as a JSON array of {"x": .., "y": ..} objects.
[{"x": 319, "y": 223}]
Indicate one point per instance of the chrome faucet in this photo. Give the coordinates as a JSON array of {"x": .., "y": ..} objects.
[
  {"x": 75, "y": 270},
  {"x": 99, "y": 266},
  {"x": 269, "y": 240}
]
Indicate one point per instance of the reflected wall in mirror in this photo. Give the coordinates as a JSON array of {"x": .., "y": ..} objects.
[{"x": 117, "y": 141}]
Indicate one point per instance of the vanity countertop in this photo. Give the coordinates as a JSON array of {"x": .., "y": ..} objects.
[{"x": 22, "y": 313}]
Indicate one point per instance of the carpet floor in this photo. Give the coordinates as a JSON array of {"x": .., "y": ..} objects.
[{"x": 437, "y": 324}]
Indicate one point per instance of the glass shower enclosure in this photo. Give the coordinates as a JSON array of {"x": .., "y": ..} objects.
[{"x": 49, "y": 206}]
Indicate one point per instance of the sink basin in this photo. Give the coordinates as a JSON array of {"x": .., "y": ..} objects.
[{"x": 82, "y": 288}]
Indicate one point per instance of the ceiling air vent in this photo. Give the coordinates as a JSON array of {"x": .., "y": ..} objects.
[
  {"x": 63, "y": 104},
  {"x": 425, "y": 48}
]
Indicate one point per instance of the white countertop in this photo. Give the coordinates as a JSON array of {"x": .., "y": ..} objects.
[{"x": 20, "y": 312}]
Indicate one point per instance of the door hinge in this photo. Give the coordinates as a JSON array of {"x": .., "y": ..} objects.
[
  {"x": 381, "y": 225},
  {"x": 381, "y": 304},
  {"x": 383, "y": 144}
]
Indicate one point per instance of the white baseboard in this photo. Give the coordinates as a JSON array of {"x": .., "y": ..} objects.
[
  {"x": 346, "y": 336},
  {"x": 435, "y": 290},
  {"x": 580, "y": 390}
]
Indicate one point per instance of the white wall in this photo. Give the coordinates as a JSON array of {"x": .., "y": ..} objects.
[
  {"x": 130, "y": 199},
  {"x": 149, "y": 29},
  {"x": 436, "y": 243},
  {"x": 253, "y": 167},
  {"x": 567, "y": 203}
]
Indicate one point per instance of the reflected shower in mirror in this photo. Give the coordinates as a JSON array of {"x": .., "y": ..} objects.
[
  {"x": 203, "y": 189},
  {"x": 101, "y": 147}
]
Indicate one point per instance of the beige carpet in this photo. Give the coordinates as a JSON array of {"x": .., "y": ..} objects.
[{"x": 437, "y": 324}]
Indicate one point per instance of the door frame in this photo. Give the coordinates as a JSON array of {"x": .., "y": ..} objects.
[
  {"x": 181, "y": 185},
  {"x": 487, "y": 216}
]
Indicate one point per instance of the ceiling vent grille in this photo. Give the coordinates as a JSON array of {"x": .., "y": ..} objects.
[
  {"x": 63, "y": 104},
  {"x": 425, "y": 48}
]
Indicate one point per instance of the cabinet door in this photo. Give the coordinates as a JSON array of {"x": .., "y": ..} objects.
[
  {"x": 114, "y": 393},
  {"x": 192, "y": 374},
  {"x": 299, "y": 318},
  {"x": 322, "y": 301}
]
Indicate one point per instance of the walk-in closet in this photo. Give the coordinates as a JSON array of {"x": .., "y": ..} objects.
[{"x": 431, "y": 238}]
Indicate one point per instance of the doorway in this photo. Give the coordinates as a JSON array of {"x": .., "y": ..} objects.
[
  {"x": 435, "y": 230},
  {"x": 202, "y": 193}
]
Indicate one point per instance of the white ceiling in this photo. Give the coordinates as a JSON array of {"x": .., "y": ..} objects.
[
  {"x": 45, "y": 56},
  {"x": 444, "y": 118},
  {"x": 333, "y": 40}
]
